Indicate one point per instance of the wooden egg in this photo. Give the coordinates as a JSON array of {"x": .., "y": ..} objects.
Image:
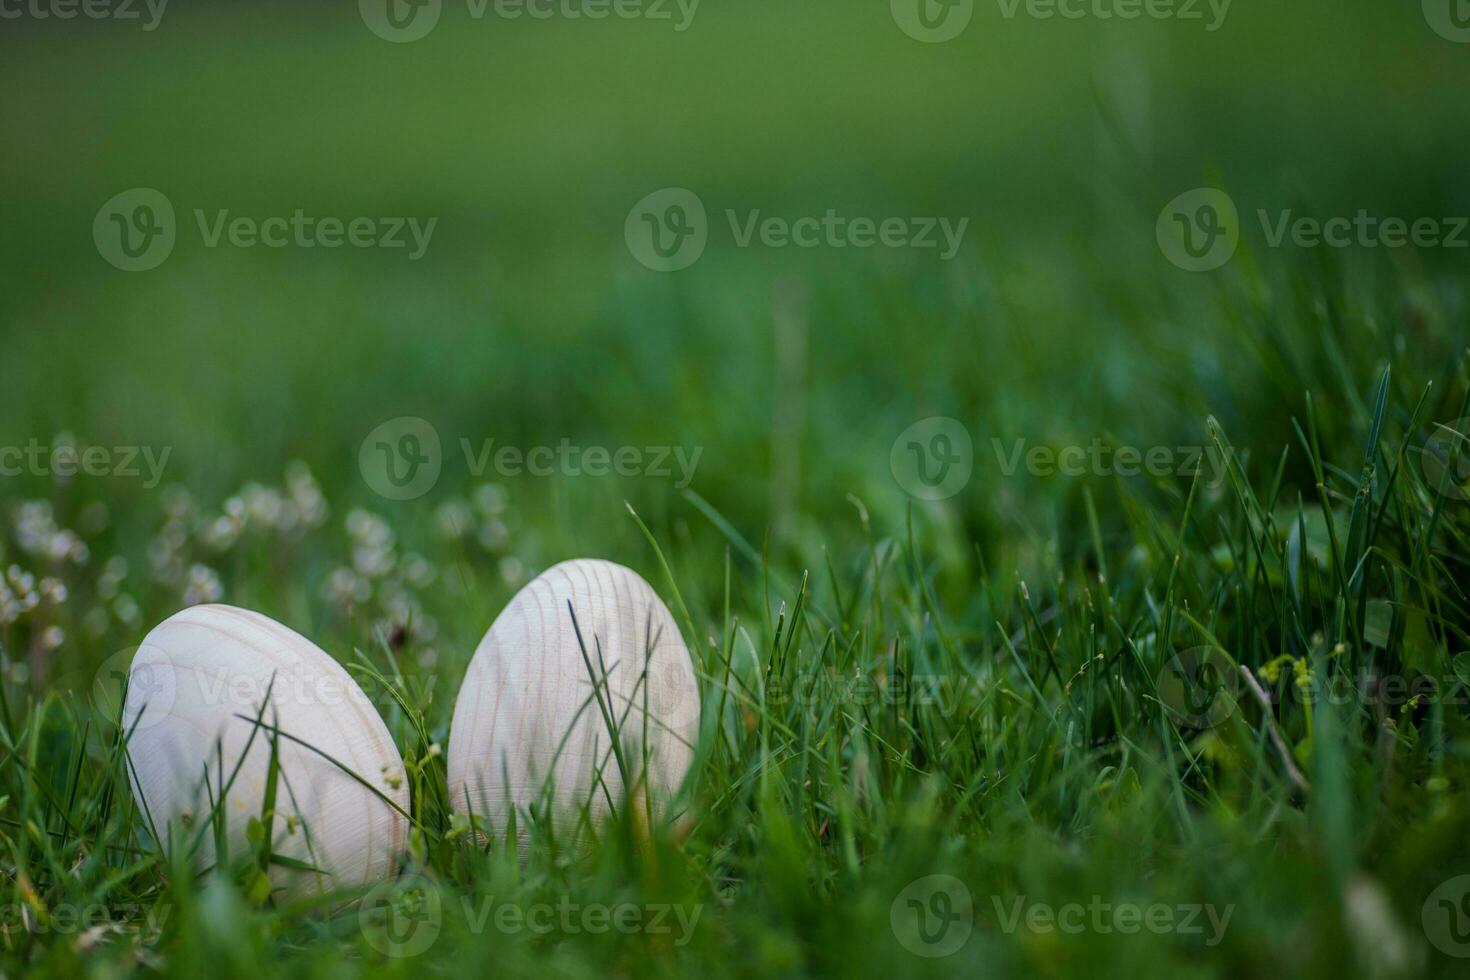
[
  {"x": 195, "y": 688},
  {"x": 536, "y": 713}
]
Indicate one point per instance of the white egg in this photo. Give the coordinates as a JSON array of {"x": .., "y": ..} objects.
[
  {"x": 195, "y": 688},
  {"x": 527, "y": 726}
]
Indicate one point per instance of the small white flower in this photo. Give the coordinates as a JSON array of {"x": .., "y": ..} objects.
[
  {"x": 263, "y": 505},
  {"x": 202, "y": 586},
  {"x": 311, "y": 506},
  {"x": 345, "y": 587},
  {"x": 53, "y": 591},
  {"x": 494, "y": 535},
  {"x": 455, "y": 519},
  {"x": 373, "y": 562},
  {"x": 419, "y": 572},
  {"x": 512, "y": 571},
  {"x": 125, "y": 608},
  {"x": 177, "y": 502},
  {"x": 490, "y": 498},
  {"x": 222, "y": 532},
  {"x": 369, "y": 529}
]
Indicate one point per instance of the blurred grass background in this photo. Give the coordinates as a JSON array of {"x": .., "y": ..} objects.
[
  {"x": 529, "y": 140},
  {"x": 528, "y": 320}
]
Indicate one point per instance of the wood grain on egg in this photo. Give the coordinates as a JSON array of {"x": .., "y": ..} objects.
[
  {"x": 194, "y": 677},
  {"x": 526, "y": 722}
]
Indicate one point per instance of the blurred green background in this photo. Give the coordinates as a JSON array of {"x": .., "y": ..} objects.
[
  {"x": 529, "y": 321},
  {"x": 529, "y": 140}
]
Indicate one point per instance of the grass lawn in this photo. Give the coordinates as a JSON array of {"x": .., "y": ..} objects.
[{"x": 1066, "y": 597}]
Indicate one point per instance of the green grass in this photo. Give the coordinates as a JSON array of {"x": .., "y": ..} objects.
[
  {"x": 892, "y": 689},
  {"x": 911, "y": 707}
]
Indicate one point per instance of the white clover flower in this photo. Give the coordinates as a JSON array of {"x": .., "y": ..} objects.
[
  {"x": 400, "y": 606},
  {"x": 369, "y": 529},
  {"x": 345, "y": 587},
  {"x": 419, "y": 572},
  {"x": 164, "y": 563},
  {"x": 114, "y": 570},
  {"x": 306, "y": 494},
  {"x": 373, "y": 562},
  {"x": 66, "y": 544},
  {"x": 35, "y": 527},
  {"x": 203, "y": 585},
  {"x": 289, "y": 518},
  {"x": 455, "y": 519},
  {"x": 174, "y": 535},
  {"x": 263, "y": 505},
  {"x": 490, "y": 498},
  {"x": 222, "y": 533},
  {"x": 512, "y": 571},
  {"x": 177, "y": 502},
  {"x": 494, "y": 535},
  {"x": 125, "y": 608},
  {"x": 10, "y": 609}
]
